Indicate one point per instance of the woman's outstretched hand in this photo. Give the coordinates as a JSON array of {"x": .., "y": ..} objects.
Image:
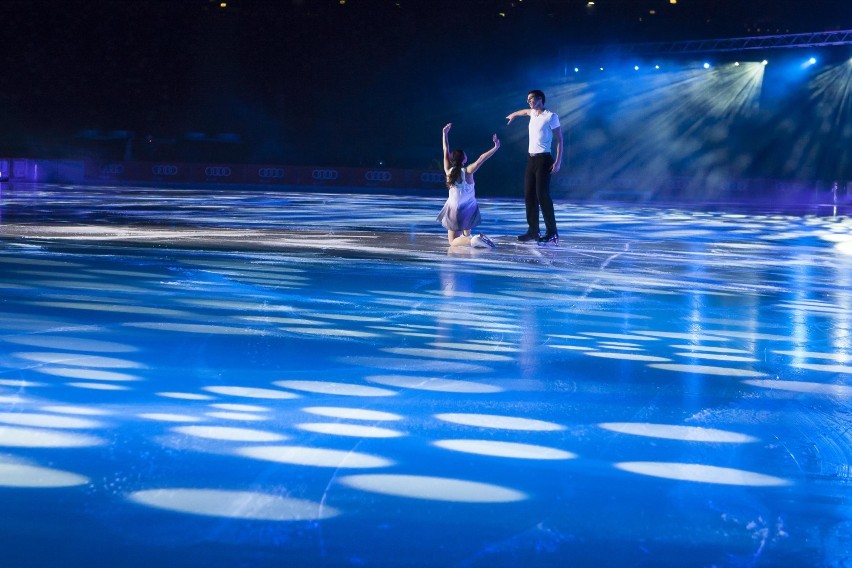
[
  {"x": 496, "y": 141},
  {"x": 447, "y": 127}
]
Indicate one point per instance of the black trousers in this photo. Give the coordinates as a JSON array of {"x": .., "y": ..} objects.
[{"x": 537, "y": 193}]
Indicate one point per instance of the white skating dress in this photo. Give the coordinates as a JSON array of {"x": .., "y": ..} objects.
[{"x": 460, "y": 212}]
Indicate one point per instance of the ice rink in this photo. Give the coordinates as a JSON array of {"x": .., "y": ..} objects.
[{"x": 258, "y": 378}]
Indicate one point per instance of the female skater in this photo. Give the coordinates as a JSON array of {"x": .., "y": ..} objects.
[{"x": 461, "y": 212}]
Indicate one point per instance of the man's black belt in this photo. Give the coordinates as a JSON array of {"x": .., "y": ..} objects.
[{"x": 539, "y": 154}]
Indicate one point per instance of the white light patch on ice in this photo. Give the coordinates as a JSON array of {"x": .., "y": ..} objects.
[
  {"x": 97, "y": 386},
  {"x": 474, "y": 347},
  {"x": 244, "y": 505},
  {"x": 571, "y": 347},
  {"x": 122, "y": 308},
  {"x": 351, "y": 430},
  {"x": 702, "y": 474},
  {"x": 327, "y": 387},
  {"x": 678, "y": 432},
  {"x": 316, "y": 457},
  {"x": 751, "y": 336},
  {"x": 710, "y": 349},
  {"x": 187, "y": 395},
  {"x": 626, "y": 356},
  {"x": 684, "y": 336},
  {"x": 500, "y": 422},
  {"x": 352, "y": 413},
  {"x": 252, "y": 392},
  {"x": 344, "y": 317},
  {"x": 706, "y": 370},
  {"x": 169, "y": 417},
  {"x": 418, "y": 365},
  {"x": 21, "y": 437},
  {"x": 87, "y": 374},
  {"x": 197, "y": 328},
  {"x": 236, "y": 416},
  {"x": 240, "y": 407},
  {"x": 73, "y": 343},
  {"x": 24, "y": 475},
  {"x": 622, "y": 336},
  {"x": 843, "y": 391},
  {"x": 237, "y": 306},
  {"x": 505, "y": 449},
  {"x": 47, "y": 420},
  {"x": 76, "y": 410},
  {"x": 836, "y": 357},
  {"x": 433, "y": 488},
  {"x": 21, "y": 384},
  {"x": 445, "y": 354},
  {"x": 229, "y": 434},
  {"x": 844, "y": 369},
  {"x": 717, "y": 357},
  {"x": 79, "y": 360},
  {"x": 281, "y": 320},
  {"x": 433, "y": 384},
  {"x": 330, "y": 332}
]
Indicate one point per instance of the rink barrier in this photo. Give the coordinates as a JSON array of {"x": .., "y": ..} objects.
[{"x": 257, "y": 174}]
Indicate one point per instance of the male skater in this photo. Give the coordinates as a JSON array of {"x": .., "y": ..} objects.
[{"x": 544, "y": 128}]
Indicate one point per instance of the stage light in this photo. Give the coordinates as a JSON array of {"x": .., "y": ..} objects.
[
  {"x": 736, "y": 63},
  {"x": 601, "y": 68},
  {"x": 707, "y": 66},
  {"x": 656, "y": 66},
  {"x": 812, "y": 60},
  {"x": 764, "y": 62},
  {"x": 636, "y": 68},
  {"x": 576, "y": 69}
]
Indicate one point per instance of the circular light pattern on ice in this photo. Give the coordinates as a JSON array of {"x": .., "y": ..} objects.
[
  {"x": 702, "y": 473},
  {"x": 685, "y": 336},
  {"x": 433, "y": 488},
  {"x": 46, "y": 420},
  {"x": 351, "y": 413},
  {"x": 354, "y": 430},
  {"x": 233, "y": 504},
  {"x": 169, "y": 417},
  {"x": 23, "y": 475},
  {"x": 236, "y": 416},
  {"x": 252, "y": 392},
  {"x": 844, "y": 369},
  {"x": 625, "y": 356},
  {"x": 433, "y": 384},
  {"x": 418, "y": 365},
  {"x": 450, "y": 354},
  {"x": 706, "y": 370},
  {"x": 500, "y": 422},
  {"x": 717, "y": 357},
  {"x": 97, "y": 386},
  {"x": 801, "y": 386},
  {"x": 79, "y": 360},
  {"x": 80, "y": 410},
  {"x": 196, "y": 328},
  {"x": 505, "y": 449},
  {"x": 185, "y": 395},
  {"x": 75, "y": 343},
  {"x": 317, "y": 457},
  {"x": 20, "y": 437},
  {"x": 677, "y": 432},
  {"x": 240, "y": 407},
  {"x": 87, "y": 374},
  {"x": 229, "y": 434},
  {"x": 328, "y": 387}
]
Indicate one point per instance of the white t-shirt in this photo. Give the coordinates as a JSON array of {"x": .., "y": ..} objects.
[{"x": 541, "y": 130}]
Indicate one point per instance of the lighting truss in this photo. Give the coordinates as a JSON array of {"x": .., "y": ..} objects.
[{"x": 815, "y": 39}]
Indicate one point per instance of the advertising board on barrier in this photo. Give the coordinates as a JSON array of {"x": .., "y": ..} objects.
[
  {"x": 218, "y": 173},
  {"x": 270, "y": 175}
]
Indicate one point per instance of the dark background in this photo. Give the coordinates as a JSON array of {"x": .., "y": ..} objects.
[{"x": 317, "y": 82}]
